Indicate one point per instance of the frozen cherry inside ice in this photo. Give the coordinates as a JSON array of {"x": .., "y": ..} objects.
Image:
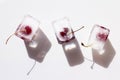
[
  {"x": 27, "y": 30},
  {"x": 64, "y": 32},
  {"x": 98, "y": 37},
  {"x": 102, "y": 36}
]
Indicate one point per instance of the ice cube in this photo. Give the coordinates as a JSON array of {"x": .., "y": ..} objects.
[
  {"x": 63, "y": 30},
  {"x": 98, "y": 37},
  {"x": 27, "y": 28}
]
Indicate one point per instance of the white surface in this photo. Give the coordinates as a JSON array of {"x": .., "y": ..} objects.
[{"x": 14, "y": 61}]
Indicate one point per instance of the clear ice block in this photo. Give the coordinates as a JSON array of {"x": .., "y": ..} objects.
[
  {"x": 27, "y": 28},
  {"x": 63, "y": 30},
  {"x": 98, "y": 37}
]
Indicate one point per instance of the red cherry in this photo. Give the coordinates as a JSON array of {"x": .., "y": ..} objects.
[
  {"x": 27, "y": 30},
  {"x": 66, "y": 30},
  {"x": 22, "y": 38},
  {"x": 62, "y": 34},
  {"x": 102, "y": 36}
]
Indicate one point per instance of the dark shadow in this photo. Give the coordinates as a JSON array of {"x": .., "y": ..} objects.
[
  {"x": 106, "y": 58},
  {"x": 73, "y": 53},
  {"x": 38, "y": 48}
]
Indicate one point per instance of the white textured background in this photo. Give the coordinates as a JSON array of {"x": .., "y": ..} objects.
[{"x": 14, "y": 61}]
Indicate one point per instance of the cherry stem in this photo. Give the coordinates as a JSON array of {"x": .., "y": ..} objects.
[
  {"x": 13, "y": 35},
  {"x": 31, "y": 68},
  {"x": 75, "y": 30},
  {"x": 86, "y": 45},
  {"x": 90, "y": 61},
  {"x": 9, "y": 38},
  {"x": 92, "y": 65},
  {"x": 78, "y": 29}
]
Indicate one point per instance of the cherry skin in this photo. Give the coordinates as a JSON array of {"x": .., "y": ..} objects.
[
  {"x": 27, "y": 30},
  {"x": 102, "y": 36},
  {"x": 64, "y": 32}
]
